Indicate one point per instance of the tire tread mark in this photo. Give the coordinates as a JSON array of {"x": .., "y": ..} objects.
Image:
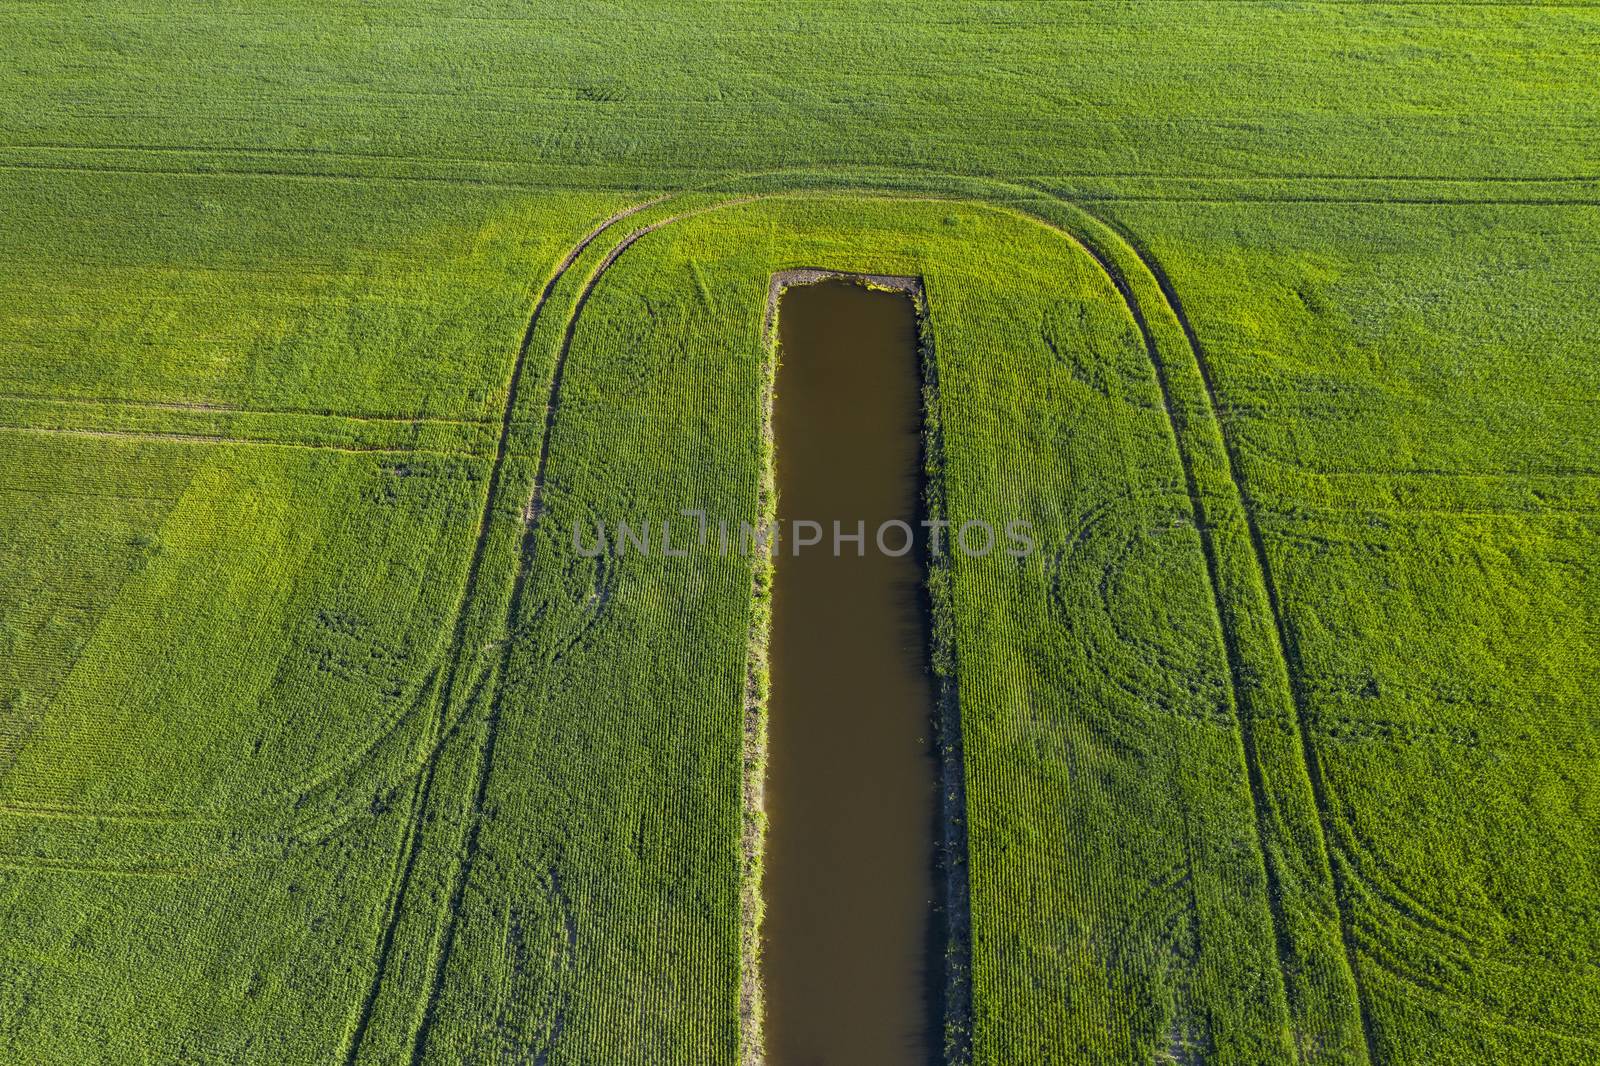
[
  {"x": 422, "y": 791},
  {"x": 1237, "y": 670},
  {"x": 1288, "y": 647},
  {"x": 531, "y": 514}
]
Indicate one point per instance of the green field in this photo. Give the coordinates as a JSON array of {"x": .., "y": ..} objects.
[{"x": 321, "y": 325}]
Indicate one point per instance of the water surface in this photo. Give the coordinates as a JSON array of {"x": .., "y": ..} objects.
[{"x": 851, "y": 787}]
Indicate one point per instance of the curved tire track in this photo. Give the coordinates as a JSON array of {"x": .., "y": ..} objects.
[
  {"x": 424, "y": 788},
  {"x": 1112, "y": 272}
]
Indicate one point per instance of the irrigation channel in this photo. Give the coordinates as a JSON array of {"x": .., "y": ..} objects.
[{"x": 849, "y": 961}]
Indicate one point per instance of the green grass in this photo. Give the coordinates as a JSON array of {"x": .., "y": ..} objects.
[
  {"x": 1275, "y": 319},
  {"x": 1423, "y": 487}
]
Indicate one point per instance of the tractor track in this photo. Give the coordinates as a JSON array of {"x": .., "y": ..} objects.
[
  {"x": 1287, "y": 647},
  {"x": 423, "y": 790}
]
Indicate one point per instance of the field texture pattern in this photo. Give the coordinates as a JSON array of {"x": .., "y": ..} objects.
[{"x": 321, "y": 326}]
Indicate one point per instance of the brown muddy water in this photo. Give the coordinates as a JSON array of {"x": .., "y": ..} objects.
[{"x": 849, "y": 962}]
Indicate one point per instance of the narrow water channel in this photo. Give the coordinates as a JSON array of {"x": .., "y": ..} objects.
[{"x": 849, "y": 968}]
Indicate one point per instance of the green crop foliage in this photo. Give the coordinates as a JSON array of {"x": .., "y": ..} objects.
[{"x": 320, "y": 327}]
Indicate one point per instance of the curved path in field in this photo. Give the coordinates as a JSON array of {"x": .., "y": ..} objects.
[{"x": 1098, "y": 247}]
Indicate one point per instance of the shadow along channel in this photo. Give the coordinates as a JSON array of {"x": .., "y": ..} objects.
[{"x": 851, "y": 964}]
